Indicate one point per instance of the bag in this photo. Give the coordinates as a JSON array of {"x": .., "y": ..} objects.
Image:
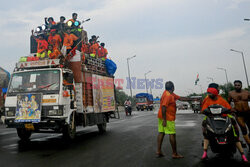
[
  {"x": 23, "y": 59},
  {"x": 110, "y": 67}
]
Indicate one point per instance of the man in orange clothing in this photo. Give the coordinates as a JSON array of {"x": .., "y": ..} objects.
[
  {"x": 214, "y": 98},
  {"x": 166, "y": 119},
  {"x": 93, "y": 46},
  {"x": 53, "y": 53},
  {"x": 54, "y": 39},
  {"x": 42, "y": 45},
  {"x": 102, "y": 52},
  {"x": 68, "y": 40}
]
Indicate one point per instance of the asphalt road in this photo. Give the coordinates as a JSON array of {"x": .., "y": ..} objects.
[{"x": 129, "y": 141}]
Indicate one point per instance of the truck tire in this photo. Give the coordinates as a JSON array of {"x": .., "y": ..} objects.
[
  {"x": 23, "y": 134},
  {"x": 151, "y": 109},
  {"x": 69, "y": 130},
  {"x": 102, "y": 127},
  {"x": 142, "y": 109}
]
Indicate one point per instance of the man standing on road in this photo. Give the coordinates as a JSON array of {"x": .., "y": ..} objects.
[
  {"x": 240, "y": 99},
  {"x": 166, "y": 119}
]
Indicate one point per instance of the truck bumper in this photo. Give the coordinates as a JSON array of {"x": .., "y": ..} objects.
[{"x": 55, "y": 124}]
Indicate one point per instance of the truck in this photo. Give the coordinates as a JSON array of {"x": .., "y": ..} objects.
[
  {"x": 144, "y": 101},
  {"x": 59, "y": 95},
  {"x": 4, "y": 80}
]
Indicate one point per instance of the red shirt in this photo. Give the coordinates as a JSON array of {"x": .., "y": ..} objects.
[
  {"x": 102, "y": 52},
  {"x": 55, "y": 41},
  {"x": 68, "y": 40},
  {"x": 169, "y": 101},
  {"x": 41, "y": 45}
]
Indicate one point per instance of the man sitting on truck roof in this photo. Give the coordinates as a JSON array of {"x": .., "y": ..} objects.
[
  {"x": 49, "y": 22},
  {"x": 53, "y": 53},
  {"x": 93, "y": 46},
  {"x": 42, "y": 45},
  {"x": 54, "y": 39},
  {"x": 68, "y": 41},
  {"x": 102, "y": 52}
]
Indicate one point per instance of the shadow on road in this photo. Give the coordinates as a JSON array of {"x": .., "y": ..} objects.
[{"x": 58, "y": 143}]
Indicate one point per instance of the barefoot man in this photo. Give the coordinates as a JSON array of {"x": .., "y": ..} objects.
[{"x": 166, "y": 119}]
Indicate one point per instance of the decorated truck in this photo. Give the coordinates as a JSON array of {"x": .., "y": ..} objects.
[
  {"x": 4, "y": 80},
  {"x": 58, "y": 95},
  {"x": 144, "y": 101},
  {"x": 44, "y": 97}
]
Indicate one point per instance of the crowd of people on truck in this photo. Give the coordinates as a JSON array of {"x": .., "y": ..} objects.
[{"x": 63, "y": 38}]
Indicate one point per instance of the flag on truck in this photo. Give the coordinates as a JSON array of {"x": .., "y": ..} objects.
[{"x": 197, "y": 79}]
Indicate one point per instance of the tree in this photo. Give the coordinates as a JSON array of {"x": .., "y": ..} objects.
[{"x": 225, "y": 89}]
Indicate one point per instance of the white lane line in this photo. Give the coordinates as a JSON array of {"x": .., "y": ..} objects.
[{"x": 7, "y": 133}]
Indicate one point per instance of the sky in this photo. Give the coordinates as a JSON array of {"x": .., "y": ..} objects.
[{"x": 175, "y": 39}]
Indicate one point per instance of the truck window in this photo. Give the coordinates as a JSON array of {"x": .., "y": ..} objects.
[{"x": 35, "y": 81}]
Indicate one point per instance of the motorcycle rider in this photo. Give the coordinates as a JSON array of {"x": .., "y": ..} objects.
[
  {"x": 214, "y": 98},
  {"x": 127, "y": 103}
]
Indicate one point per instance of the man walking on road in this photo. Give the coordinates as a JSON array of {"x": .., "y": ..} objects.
[
  {"x": 240, "y": 99},
  {"x": 166, "y": 119}
]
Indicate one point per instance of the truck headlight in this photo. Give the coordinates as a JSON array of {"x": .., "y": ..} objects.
[
  {"x": 55, "y": 112},
  {"x": 10, "y": 113}
]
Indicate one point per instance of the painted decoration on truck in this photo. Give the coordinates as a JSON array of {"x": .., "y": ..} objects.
[
  {"x": 28, "y": 108},
  {"x": 103, "y": 93}
]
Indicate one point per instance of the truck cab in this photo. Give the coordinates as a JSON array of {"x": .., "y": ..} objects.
[{"x": 144, "y": 101}]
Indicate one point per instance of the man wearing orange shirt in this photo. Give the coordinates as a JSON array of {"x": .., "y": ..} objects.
[
  {"x": 102, "y": 52},
  {"x": 214, "y": 98},
  {"x": 166, "y": 119},
  {"x": 54, "y": 39},
  {"x": 68, "y": 40},
  {"x": 93, "y": 46},
  {"x": 42, "y": 45}
]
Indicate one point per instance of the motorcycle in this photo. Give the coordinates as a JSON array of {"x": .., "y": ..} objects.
[
  {"x": 220, "y": 130},
  {"x": 128, "y": 110}
]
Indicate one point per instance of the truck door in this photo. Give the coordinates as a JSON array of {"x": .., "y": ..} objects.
[{"x": 69, "y": 86}]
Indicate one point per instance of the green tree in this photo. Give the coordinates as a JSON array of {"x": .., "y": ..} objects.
[{"x": 226, "y": 88}]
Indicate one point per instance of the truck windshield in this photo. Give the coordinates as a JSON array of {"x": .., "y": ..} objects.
[
  {"x": 141, "y": 100},
  {"x": 35, "y": 81}
]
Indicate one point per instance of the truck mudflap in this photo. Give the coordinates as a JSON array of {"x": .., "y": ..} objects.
[{"x": 52, "y": 124}]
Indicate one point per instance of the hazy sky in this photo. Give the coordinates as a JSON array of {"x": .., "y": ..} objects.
[{"x": 175, "y": 39}]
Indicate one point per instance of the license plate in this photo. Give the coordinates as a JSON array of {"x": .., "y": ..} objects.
[{"x": 29, "y": 126}]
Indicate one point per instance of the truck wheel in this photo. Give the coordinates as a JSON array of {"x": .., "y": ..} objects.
[
  {"x": 142, "y": 109},
  {"x": 151, "y": 109},
  {"x": 102, "y": 127},
  {"x": 23, "y": 134},
  {"x": 69, "y": 130}
]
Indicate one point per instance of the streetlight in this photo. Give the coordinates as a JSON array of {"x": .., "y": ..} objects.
[
  {"x": 219, "y": 68},
  {"x": 146, "y": 80},
  {"x": 129, "y": 58},
  {"x": 243, "y": 64}
]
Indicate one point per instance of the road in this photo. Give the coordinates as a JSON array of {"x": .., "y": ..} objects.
[{"x": 129, "y": 141}]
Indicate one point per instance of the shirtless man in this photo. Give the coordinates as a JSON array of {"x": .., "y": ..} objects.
[{"x": 240, "y": 99}]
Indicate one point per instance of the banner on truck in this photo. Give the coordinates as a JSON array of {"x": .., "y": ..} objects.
[
  {"x": 28, "y": 108},
  {"x": 103, "y": 93}
]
